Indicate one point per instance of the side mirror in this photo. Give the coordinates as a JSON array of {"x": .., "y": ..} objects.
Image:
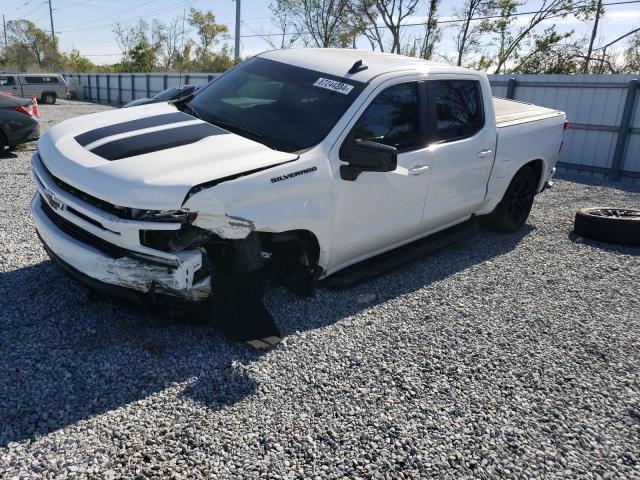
[{"x": 366, "y": 156}]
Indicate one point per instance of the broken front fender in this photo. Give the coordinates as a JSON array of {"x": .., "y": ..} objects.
[{"x": 225, "y": 226}]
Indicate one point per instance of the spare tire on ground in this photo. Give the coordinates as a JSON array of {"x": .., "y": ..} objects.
[{"x": 612, "y": 225}]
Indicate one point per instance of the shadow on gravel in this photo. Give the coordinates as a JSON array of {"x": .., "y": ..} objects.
[
  {"x": 610, "y": 247},
  {"x": 335, "y": 305},
  {"x": 8, "y": 155},
  {"x": 65, "y": 358}
]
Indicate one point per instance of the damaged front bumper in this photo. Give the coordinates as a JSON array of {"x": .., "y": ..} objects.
[{"x": 183, "y": 279}]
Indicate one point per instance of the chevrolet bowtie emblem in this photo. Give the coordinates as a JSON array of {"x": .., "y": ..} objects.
[{"x": 52, "y": 200}]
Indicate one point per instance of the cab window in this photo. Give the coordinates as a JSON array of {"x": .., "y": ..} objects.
[
  {"x": 392, "y": 118},
  {"x": 36, "y": 80},
  {"x": 7, "y": 81},
  {"x": 457, "y": 106}
]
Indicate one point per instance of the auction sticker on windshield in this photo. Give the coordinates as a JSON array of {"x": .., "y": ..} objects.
[{"x": 343, "y": 88}]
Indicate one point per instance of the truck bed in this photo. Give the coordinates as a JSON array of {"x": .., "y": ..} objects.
[{"x": 511, "y": 112}]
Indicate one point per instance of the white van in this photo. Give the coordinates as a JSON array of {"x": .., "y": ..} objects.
[{"x": 46, "y": 87}]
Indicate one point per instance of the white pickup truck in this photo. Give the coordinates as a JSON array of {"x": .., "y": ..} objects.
[{"x": 304, "y": 161}]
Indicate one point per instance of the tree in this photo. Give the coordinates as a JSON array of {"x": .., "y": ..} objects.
[
  {"x": 169, "y": 43},
  {"x": 393, "y": 13},
  {"x": 432, "y": 34},
  {"x": 364, "y": 19},
  {"x": 468, "y": 34},
  {"x": 74, "y": 62},
  {"x": 551, "y": 52},
  {"x": 288, "y": 33},
  {"x": 209, "y": 33},
  {"x": 30, "y": 45},
  {"x": 631, "y": 54},
  {"x": 128, "y": 37},
  {"x": 546, "y": 10},
  {"x": 501, "y": 27},
  {"x": 142, "y": 57},
  {"x": 322, "y": 21}
]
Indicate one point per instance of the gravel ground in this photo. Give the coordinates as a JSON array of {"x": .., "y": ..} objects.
[{"x": 506, "y": 356}]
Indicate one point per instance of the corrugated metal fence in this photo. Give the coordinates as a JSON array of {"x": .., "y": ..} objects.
[
  {"x": 604, "y": 138},
  {"x": 118, "y": 88}
]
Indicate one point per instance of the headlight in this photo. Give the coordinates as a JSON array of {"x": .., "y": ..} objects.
[{"x": 174, "y": 216}]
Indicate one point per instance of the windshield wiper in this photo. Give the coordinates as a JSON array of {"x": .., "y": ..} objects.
[
  {"x": 232, "y": 127},
  {"x": 235, "y": 128}
]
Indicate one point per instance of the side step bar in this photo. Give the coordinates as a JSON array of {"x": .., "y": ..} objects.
[{"x": 397, "y": 257}]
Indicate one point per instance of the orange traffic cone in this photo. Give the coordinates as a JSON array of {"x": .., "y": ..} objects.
[{"x": 36, "y": 110}]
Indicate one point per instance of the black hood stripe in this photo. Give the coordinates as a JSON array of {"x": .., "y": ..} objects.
[
  {"x": 166, "y": 118},
  {"x": 155, "y": 141}
]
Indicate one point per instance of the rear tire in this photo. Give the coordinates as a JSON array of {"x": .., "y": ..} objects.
[
  {"x": 49, "y": 98},
  {"x": 514, "y": 208},
  {"x": 612, "y": 225}
]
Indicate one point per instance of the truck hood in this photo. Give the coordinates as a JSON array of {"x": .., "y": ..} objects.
[{"x": 148, "y": 157}]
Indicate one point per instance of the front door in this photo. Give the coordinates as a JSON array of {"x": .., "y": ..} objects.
[
  {"x": 382, "y": 209},
  {"x": 8, "y": 84}
]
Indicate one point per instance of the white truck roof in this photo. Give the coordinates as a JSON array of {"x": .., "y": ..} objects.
[{"x": 338, "y": 61}]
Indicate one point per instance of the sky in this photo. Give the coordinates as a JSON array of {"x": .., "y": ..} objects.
[{"x": 86, "y": 24}]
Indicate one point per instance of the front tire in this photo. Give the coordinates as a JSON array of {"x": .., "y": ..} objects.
[{"x": 514, "y": 208}]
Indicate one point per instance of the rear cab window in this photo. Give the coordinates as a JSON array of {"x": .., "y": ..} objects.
[{"x": 456, "y": 109}]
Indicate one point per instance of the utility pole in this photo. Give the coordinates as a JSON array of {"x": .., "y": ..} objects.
[
  {"x": 4, "y": 29},
  {"x": 237, "y": 50},
  {"x": 53, "y": 33}
]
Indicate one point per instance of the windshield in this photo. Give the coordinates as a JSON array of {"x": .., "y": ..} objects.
[{"x": 288, "y": 108}]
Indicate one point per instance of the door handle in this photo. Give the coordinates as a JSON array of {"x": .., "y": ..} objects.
[
  {"x": 418, "y": 169},
  {"x": 484, "y": 153}
]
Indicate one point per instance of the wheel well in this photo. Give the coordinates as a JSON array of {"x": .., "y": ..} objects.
[
  {"x": 297, "y": 243},
  {"x": 48, "y": 92},
  {"x": 538, "y": 168},
  {"x": 293, "y": 258}
]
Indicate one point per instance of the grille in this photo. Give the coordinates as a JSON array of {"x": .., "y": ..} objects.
[
  {"x": 121, "y": 212},
  {"x": 81, "y": 235}
]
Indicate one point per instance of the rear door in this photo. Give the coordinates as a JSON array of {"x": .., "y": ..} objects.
[
  {"x": 462, "y": 135},
  {"x": 8, "y": 83}
]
